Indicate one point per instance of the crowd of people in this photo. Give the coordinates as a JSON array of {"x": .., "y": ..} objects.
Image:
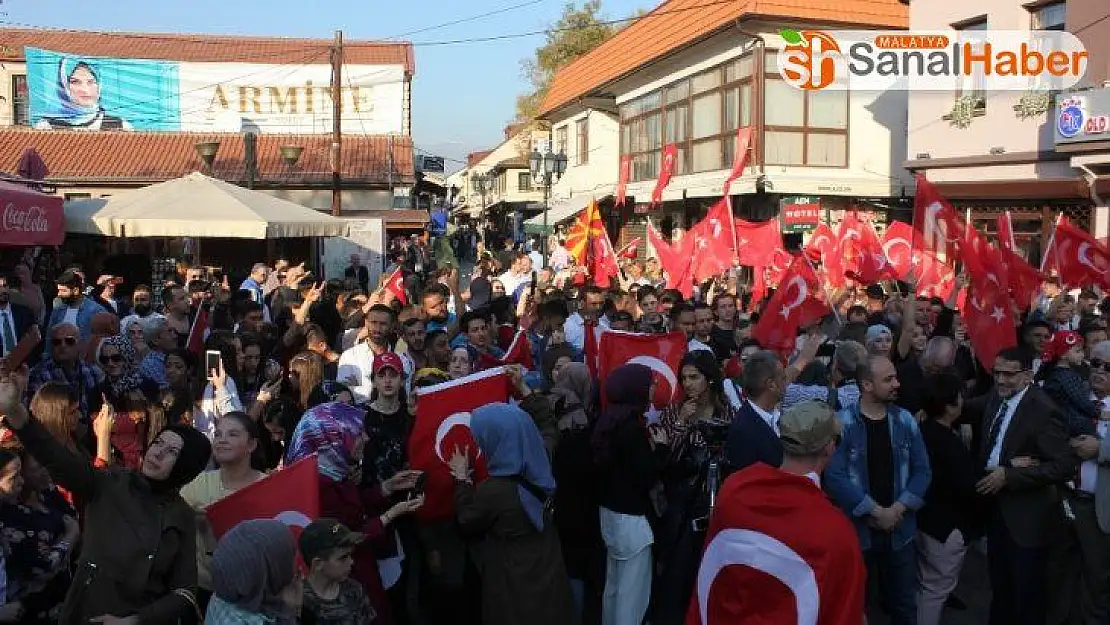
[{"x": 880, "y": 429}]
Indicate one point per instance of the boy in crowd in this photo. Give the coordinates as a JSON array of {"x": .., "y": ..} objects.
[{"x": 331, "y": 597}]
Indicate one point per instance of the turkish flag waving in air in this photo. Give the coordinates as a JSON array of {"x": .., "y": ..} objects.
[
  {"x": 662, "y": 353},
  {"x": 602, "y": 263},
  {"x": 822, "y": 247},
  {"x": 713, "y": 245},
  {"x": 1023, "y": 280},
  {"x": 757, "y": 242},
  {"x": 198, "y": 332},
  {"x": 860, "y": 251},
  {"x": 291, "y": 495},
  {"x": 794, "y": 304},
  {"x": 778, "y": 552},
  {"x": 666, "y": 171},
  {"x": 1006, "y": 231},
  {"x": 898, "y": 247},
  {"x": 739, "y": 157},
  {"x": 395, "y": 284},
  {"x": 1079, "y": 258},
  {"x": 442, "y": 424},
  {"x": 934, "y": 278},
  {"x": 936, "y": 222},
  {"x": 987, "y": 315},
  {"x": 675, "y": 261}
]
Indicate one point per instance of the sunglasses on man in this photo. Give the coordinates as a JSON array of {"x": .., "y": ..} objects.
[{"x": 66, "y": 340}]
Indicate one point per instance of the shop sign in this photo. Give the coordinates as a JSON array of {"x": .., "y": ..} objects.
[
  {"x": 800, "y": 214},
  {"x": 1083, "y": 117}
]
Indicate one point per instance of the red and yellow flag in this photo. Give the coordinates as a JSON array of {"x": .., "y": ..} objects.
[{"x": 587, "y": 226}]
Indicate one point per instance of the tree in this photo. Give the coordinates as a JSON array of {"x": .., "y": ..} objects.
[{"x": 576, "y": 33}]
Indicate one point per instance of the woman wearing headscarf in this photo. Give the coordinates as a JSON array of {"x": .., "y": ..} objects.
[
  {"x": 254, "y": 576},
  {"x": 138, "y": 560},
  {"x": 523, "y": 577},
  {"x": 576, "y": 508},
  {"x": 697, "y": 428},
  {"x": 127, "y": 394},
  {"x": 334, "y": 432},
  {"x": 629, "y": 456},
  {"x": 78, "y": 101},
  {"x": 103, "y": 325}
]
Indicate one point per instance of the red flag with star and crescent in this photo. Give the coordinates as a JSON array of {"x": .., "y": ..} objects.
[
  {"x": 739, "y": 157},
  {"x": 395, "y": 284},
  {"x": 822, "y": 247},
  {"x": 666, "y": 172},
  {"x": 712, "y": 242},
  {"x": 290, "y": 495},
  {"x": 662, "y": 353},
  {"x": 674, "y": 260},
  {"x": 797, "y": 302},
  {"x": 763, "y": 566},
  {"x": 757, "y": 242},
  {"x": 860, "y": 251},
  {"x": 442, "y": 424},
  {"x": 1078, "y": 257},
  {"x": 898, "y": 247},
  {"x": 987, "y": 314},
  {"x": 938, "y": 227}
]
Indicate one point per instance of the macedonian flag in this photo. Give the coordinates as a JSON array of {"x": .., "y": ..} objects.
[{"x": 587, "y": 226}]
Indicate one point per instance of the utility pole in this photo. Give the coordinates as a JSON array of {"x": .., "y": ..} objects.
[{"x": 336, "y": 123}]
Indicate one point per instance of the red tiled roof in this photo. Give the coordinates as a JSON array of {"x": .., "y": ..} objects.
[
  {"x": 474, "y": 158},
  {"x": 202, "y": 48},
  {"x": 107, "y": 157},
  {"x": 676, "y": 23}
]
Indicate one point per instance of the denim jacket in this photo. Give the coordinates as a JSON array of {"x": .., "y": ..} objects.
[{"x": 846, "y": 479}]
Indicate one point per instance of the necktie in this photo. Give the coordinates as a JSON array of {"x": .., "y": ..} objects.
[
  {"x": 996, "y": 427},
  {"x": 9, "y": 334}
]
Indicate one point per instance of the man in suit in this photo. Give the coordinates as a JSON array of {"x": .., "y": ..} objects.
[
  {"x": 15, "y": 321},
  {"x": 1025, "y": 454},
  {"x": 754, "y": 433},
  {"x": 357, "y": 273}
]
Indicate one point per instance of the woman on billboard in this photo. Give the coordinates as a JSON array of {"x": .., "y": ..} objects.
[{"x": 78, "y": 101}]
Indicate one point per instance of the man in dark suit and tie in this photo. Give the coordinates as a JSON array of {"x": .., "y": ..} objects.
[
  {"x": 754, "y": 433},
  {"x": 1026, "y": 456},
  {"x": 15, "y": 321}
]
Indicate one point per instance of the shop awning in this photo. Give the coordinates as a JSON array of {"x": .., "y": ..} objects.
[
  {"x": 198, "y": 206},
  {"x": 559, "y": 212},
  {"x": 29, "y": 217}
]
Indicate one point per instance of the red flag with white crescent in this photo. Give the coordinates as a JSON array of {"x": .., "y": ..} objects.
[
  {"x": 1078, "y": 257},
  {"x": 624, "y": 176},
  {"x": 662, "y": 353},
  {"x": 796, "y": 303},
  {"x": 1006, "y": 231},
  {"x": 666, "y": 171},
  {"x": 675, "y": 260},
  {"x": 987, "y": 313},
  {"x": 778, "y": 552},
  {"x": 713, "y": 242},
  {"x": 898, "y": 247},
  {"x": 198, "y": 331},
  {"x": 290, "y": 495},
  {"x": 938, "y": 227},
  {"x": 757, "y": 242},
  {"x": 739, "y": 157},
  {"x": 395, "y": 284},
  {"x": 822, "y": 247},
  {"x": 442, "y": 424}
]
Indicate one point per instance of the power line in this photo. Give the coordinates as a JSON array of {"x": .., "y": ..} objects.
[{"x": 464, "y": 20}]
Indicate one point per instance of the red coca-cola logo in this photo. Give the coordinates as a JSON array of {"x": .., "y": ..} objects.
[{"x": 29, "y": 219}]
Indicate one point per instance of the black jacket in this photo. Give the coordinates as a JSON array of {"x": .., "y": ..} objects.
[
  {"x": 630, "y": 472},
  {"x": 751, "y": 440},
  {"x": 951, "y": 501}
]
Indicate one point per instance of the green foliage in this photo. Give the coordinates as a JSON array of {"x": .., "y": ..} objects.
[
  {"x": 792, "y": 37},
  {"x": 576, "y": 33}
]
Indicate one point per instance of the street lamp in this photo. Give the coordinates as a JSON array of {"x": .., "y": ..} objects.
[
  {"x": 482, "y": 184},
  {"x": 546, "y": 168}
]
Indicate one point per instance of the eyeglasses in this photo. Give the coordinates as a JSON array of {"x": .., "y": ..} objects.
[
  {"x": 66, "y": 340},
  {"x": 111, "y": 359},
  {"x": 1100, "y": 365}
]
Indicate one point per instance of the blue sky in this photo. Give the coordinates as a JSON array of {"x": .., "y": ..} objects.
[{"x": 463, "y": 94}]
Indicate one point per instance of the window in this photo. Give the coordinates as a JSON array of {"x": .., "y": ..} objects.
[
  {"x": 805, "y": 128},
  {"x": 1049, "y": 16},
  {"x": 974, "y": 87},
  {"x": 582, "y": 142},
  {"x": 699, "y": 115},
  {"x": 20, "y": 109},
  {"x": 561, "y": 140},
  {"x": 524, "y": 181}
]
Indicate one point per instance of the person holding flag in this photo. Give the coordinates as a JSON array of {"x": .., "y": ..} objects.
[{"x": 777, "y": 550}]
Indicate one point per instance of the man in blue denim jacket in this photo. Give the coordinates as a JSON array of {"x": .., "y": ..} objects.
[{"x": 878, "y": 477}]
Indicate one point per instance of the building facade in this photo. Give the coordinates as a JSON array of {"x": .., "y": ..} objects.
[
  {"x": 110, "y": 111},
  {"x": 691, "y": 75},
  {"x": 997, "y": 151}
]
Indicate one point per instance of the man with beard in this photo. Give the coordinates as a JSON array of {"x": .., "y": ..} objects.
[
  {"x": 177, "y": 312},
  {"x": 15, "y": 320},
  {"x": 142, "y": 306},
  {"x": 413, "y": 358},
  {"x": 76, "y": 309},
  {"x": 436, "y": 315},
  {"x": 878, "y": 477},
  {"x": 356, "y": 364}
]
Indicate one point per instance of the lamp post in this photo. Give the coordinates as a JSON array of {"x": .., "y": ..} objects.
[
  {"x": 546, "y": 168},
  {"x": 482, "y": 185}
]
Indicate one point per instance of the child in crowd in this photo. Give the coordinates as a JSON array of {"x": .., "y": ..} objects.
[{"x": 331, "y": 597}]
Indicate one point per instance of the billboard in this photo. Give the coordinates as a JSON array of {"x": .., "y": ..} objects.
[{"x": 74, "y": 92}]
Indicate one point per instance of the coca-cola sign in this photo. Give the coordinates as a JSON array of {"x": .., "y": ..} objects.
[{"x": 29, "y": 218}]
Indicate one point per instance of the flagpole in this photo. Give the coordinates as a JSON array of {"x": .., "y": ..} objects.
[
  {"x": 1051, "y": 247},
  {"x": 735, "y": 238}
]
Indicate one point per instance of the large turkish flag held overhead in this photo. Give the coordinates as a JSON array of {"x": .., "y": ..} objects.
[
  {"x": 442, "y": 424},
  {"x": 662, "y": 353},
  {"x": 797, "y": 302}
]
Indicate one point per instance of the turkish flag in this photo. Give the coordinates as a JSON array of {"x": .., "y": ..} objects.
[
  {"x": 442, "y": 424},
  {"x": 674, "y": 260},
  {"x": 670, "y": 161},
  {"x": 623, "y": 177},
  {"x": 987, "y": 315},
  {"x": 898, "y": 247},
  {"x": 757, "y": 242},
  {"x": 1022, "y": 279},
  {"x": 630, "y": 251},
  {"x": 602, "y": 262},
  {"x": 1078, "y": 258},
  {"x": 822, "y": 247},
  {"x": 934, "y": 277},
  {"x": 936, "y": 222},
  {"x": 1006, "y": 232},
  {"x": 794, "y": 304},
  {"x": 519, "y": 352},
  {"x": 778, "y": 552},
  {"x": 713, "y": 242},
  {"x": 291, "y": 495},
  {"x": 198, "y": 331},
  {"x": 395, "y": 284},
  {"x": 662, "y": 353},
  {"x": 780, "y": 264},
  {"x": 860, "y": 251},
  {"x": 739, "y": 157}
]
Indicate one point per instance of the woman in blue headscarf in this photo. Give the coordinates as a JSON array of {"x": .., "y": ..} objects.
[
  {"x": 523, "y": 577},
  {"x": 78, "y": 101}
]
